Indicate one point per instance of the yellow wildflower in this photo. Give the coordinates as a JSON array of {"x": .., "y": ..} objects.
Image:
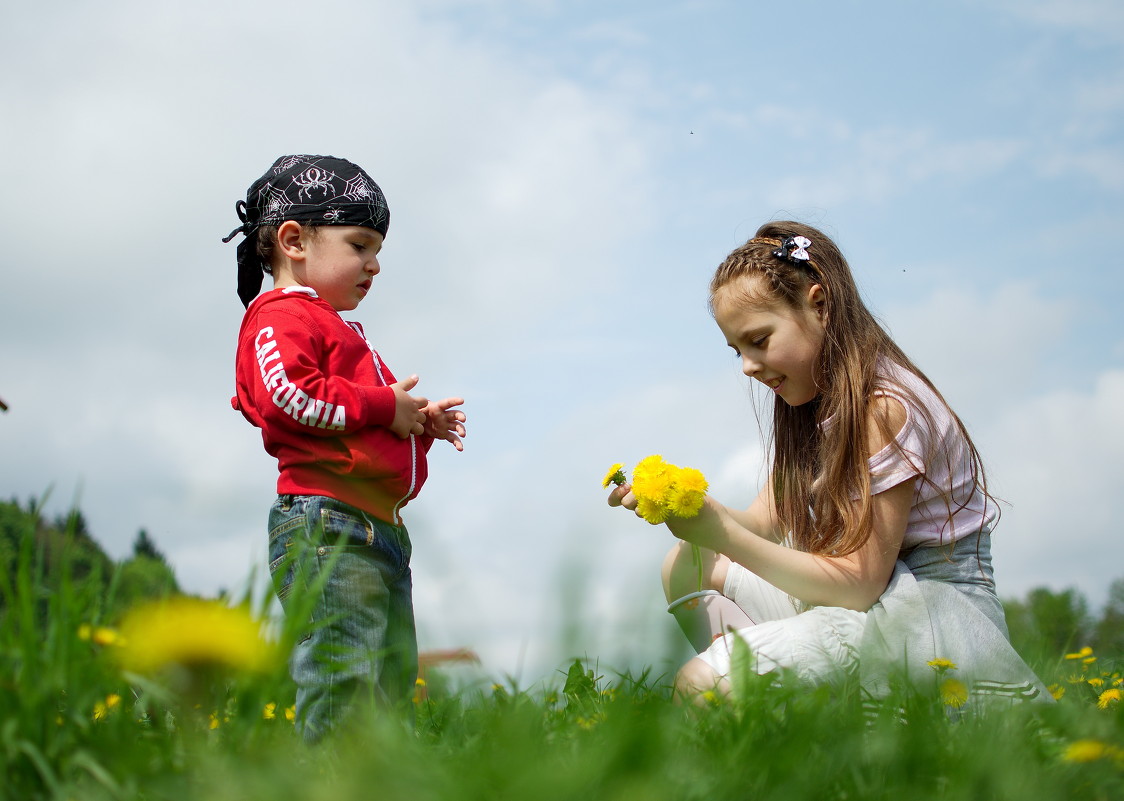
[
  {"x": 1057, "y": 691},
  {"x": 1096, "y": 682},
  {"x": 194, "y": 632},
  {"x": 687, "y": 493},
  {"x": 953, "y": 693},
  {"x": 614, "y": 476},
  {"x": 101, "y": 708},
  {"x": 1089, "y": 751},
  {"x": 99, "y": 635},
  {"x": 663, "y": 490},
  {"x": 652, "y": 478},
  {"x": 270, "y": 711},
  {"x": 1109, "y": 697},
  {"x": 652, "y": 511},
  {"x": 290, "y": 713},
  {"x": 1082, "y": 654},
  {"x": 941, "y": 665}
]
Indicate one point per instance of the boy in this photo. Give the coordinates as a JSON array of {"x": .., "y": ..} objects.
[{"x": 349, "y": 439}]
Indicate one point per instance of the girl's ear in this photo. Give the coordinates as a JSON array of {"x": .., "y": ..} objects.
[
  {"x": 817, "y": 301},
  {"x": 289, "y": 239}
]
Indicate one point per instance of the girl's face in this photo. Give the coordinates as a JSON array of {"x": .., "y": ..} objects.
[{"x": 778, "y": 345}]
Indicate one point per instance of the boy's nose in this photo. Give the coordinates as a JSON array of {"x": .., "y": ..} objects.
[{"x": 373, "y": 267}]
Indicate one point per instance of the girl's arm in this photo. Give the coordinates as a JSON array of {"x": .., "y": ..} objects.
[
  {"x": 749, "y": 538},
  {"x": 854, "y": 581}
]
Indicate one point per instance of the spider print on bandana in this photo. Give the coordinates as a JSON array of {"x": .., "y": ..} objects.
[
  {"x": 357, "y": 189},
  {"x": 275, "y": 205},
  {"x": 286, "y": 164},
  {"x": 313, "y": 179}
]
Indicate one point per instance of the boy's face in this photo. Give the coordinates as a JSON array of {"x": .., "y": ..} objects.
[{"x": 339, "y": 263}]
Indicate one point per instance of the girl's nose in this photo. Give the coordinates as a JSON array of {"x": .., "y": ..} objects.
[{"x": 750, "y": 367}]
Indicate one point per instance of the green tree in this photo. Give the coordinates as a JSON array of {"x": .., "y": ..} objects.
[
  {"x": 1108, "y": 636},
  {"x": 1048, "y": 624}
]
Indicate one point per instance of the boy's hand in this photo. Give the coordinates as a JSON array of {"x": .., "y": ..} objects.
[
  {"x": 442, "y": 421},
  {"x": 408, "y": 415}
]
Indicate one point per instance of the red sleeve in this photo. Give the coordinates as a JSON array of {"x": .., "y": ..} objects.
[{"x": 280, "y": 376}]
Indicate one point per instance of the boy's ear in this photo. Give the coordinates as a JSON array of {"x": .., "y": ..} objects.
[{"x": 289, "y": 240}]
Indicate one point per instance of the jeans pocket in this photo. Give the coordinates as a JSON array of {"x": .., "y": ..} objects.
[{"x": 339, "y": 529}]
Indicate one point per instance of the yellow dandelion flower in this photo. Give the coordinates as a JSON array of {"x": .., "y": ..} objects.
[
  {"x": 99, "y": 635},
  {"x": 1096, "y": 683},
  {"x": 652, "y": 479},
  {"x": 1088, "y": 751},
  {"x": 953, "y": 693},
  {"x": 270, "y": 711},
  {"x": 290, "y": 713},
  {"x": 1057, "y": 691},
  {"x": 102, "y": 708},
  {"x": 214, "y": 721},
  {"x": 940, "y": 664},
  {"x": 684, "y": 502},
  {"x": 614, "y": 476},
  {"x": 193, "y": 632},
  {"x": 1109, "y": 697},
  {"x": 1082, "y": 654},
  {"x": 1089, "y": 660},
  {"x": 652, "y": 511}
]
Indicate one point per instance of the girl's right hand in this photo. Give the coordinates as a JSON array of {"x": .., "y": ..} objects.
[
  {"x": 622, "y": 496},
  {"x": 408, "y": 415}
]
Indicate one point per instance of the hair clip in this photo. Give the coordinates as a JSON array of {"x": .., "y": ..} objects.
[{"x": 794, "y": 249}]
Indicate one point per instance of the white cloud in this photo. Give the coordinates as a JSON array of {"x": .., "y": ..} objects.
[{"x": 1056, "y": 459}]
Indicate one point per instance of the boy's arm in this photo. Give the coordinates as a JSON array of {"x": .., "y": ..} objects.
[{"x": 280, "y": 379}]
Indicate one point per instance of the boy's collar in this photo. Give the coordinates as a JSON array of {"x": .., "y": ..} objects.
[{"x": 306, "y": 290}]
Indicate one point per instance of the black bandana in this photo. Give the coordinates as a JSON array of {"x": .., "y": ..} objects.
[{"x": 318, "y": 190}]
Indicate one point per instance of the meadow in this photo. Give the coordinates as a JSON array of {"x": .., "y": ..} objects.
[{"x": 192, "y": 702}]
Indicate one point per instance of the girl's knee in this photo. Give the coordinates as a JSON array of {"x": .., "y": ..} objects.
[
  {"x": 681, "y": 571},
  {"x": 696, "y": 678}
]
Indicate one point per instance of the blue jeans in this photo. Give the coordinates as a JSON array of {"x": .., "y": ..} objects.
[{"x": 348, "y": 574}]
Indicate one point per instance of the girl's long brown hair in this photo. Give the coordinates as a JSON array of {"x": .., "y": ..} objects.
[{"x": 821, "y": 478}]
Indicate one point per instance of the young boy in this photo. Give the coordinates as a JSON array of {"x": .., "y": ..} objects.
[{"x": 349, "y": 439}]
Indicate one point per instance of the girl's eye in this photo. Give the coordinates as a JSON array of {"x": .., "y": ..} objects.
[{"x": 760, "y": 341}]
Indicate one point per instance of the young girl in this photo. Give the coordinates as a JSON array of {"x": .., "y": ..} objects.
[{"x": 869, "y": 547}]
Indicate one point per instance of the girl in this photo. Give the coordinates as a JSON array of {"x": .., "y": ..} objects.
[{"x": 868, "y": 549}]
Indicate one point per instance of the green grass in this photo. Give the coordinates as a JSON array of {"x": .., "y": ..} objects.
[{"x": 590, "y": 734}]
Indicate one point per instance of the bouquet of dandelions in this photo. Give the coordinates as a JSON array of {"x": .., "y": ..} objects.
[{"x": 662, "y": 490}]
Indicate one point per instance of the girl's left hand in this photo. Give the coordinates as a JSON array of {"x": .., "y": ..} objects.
[{"x": 442, "y": 421}]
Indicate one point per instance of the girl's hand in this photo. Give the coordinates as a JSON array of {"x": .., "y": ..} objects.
[
  {"x": 442, "y": 421},
  {"x": 622, "y": 496}
]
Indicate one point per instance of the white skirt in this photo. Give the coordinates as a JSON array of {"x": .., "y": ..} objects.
[{"x": 940, "y": 604}]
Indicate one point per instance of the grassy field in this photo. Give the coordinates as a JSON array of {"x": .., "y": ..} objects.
[{"x": 199, "y": 708}]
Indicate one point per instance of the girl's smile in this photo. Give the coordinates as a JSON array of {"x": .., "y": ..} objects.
[{"x": 778, "y": 345}]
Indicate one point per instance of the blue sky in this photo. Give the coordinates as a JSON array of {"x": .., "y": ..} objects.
[{"x": 563, "y": 178}]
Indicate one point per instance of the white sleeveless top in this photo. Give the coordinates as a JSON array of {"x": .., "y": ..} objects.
[{"x": 947, "y": 505}]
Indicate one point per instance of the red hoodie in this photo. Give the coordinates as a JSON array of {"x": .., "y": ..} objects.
[{"x": 320, "y": 395}]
